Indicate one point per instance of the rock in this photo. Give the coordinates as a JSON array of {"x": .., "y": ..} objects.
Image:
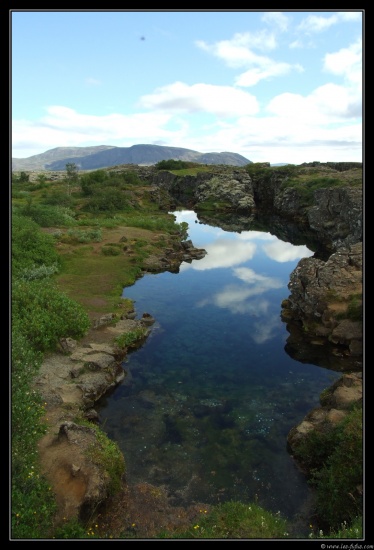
[
  {"x": 321, "y": 294},
  {"x": 335, "y": 402}
]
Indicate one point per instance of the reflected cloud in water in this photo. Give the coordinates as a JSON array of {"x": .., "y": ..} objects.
[
  {"x": 234, "y": 252},
  {"x": 262, "y": 282},
  {"x": 234, "y": 298},
  {"x": 279, "y": 251},
  {"x": 265, "y": 331},
  {"x": 255, "y": 236},
  {"x": 224, "y": 253}
]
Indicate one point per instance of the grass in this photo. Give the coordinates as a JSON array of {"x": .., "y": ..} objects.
[
  {"x": 106, "y": 454},
  {"x": 131, "y": 339},
  {"x": 235, "y": 520},
  {"x": 94, "y": 275}
]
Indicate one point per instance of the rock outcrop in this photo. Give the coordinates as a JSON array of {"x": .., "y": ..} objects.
[
  {"x": 326, "y": 298},
  {"x": 70, "y": 383},
  {"x": 335, "y": 404}
]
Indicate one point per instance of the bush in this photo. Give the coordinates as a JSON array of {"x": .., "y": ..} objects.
[
  {"x": 110, "y": 250},
  {"x": 89, "y": 181},
  {"x": 59, "y": 198},
  {"x": 82, "y": 236},
  {"x": 44, "y": 315},
  {"x": 171, "y": 165},
  {"x": 31, "y": 249},
  {"x": 108, "y": 199},
  {"x": 49, "y": 215}
]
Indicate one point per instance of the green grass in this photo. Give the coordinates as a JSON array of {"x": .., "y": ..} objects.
[
  {"x": 131, "y": 338},
  {"x": 235, "y": 520}
]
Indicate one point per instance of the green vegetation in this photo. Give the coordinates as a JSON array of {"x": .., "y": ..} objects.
[
  {"x": 33, "y": 504},
  {"x": 107, "y": 455},
  {"x": 355, "y": 308},
  {"x": 59, "y": 234},
  {"x": 306, "y": 179},
  {"x": 333, "y": 456},
  {"x": 234, "y": 520},
  {"x": 131, "y": 339},
  {"x": 345, "y": 531},
  {"x": 46, "y": 251},
  {"x": 172, "y": 165}
]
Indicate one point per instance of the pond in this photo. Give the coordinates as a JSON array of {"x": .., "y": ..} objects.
[{"x": 209, "y": 399}]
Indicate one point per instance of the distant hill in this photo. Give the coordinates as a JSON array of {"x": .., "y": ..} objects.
[
  {"x": 103, "y": 156},
  {"x": 38, "y": 162}
]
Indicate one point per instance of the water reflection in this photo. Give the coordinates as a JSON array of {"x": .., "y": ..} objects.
[
  {"x": 224, "y": 253},
  {"x": 208, "y": 401}
]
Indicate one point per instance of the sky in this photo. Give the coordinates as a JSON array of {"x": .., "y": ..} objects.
[{"x": 272, "y": 86}]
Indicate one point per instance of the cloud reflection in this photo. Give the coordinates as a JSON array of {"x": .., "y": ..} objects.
[
  {"x": 280, "y": 251},
  {"x": 255, "y": 235},
  {"x": 262, "y": 282},
  {"x": 265, "y": 331},
  {"x": 225, "y": 253},
  {"x": 235, "y": 299},
  {"x": 245, "y": 299}
]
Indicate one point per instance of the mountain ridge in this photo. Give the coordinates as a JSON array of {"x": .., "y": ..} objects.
[{"x": 104, "y": 156}]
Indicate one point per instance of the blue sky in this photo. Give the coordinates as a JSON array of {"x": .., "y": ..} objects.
[{"x": 282, "y": 86}]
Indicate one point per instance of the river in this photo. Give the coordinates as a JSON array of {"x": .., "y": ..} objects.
[{"x": 209, "y": 399}]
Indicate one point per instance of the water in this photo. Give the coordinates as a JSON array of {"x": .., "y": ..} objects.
[{"x": 208, "y": 401}]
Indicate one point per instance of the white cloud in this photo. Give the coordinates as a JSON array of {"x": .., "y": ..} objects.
[
  {"x": 65, "y": 127},
  {"x": 318, "y": 23},
  {"x": 238, "y": 52},
  {"x": 325, "y": 105},
  {"x": 281, "y": 251},
  {"x": 268, "y": 70},
  {"x": 347, "y": 62},
  {"x": 224, "y": 101},
  {"x": 225, "y": 253},
  {"x": 262, "y": 282},
  {"x": 277, "y": 19}
]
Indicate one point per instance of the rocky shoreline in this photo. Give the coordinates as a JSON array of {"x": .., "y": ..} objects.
[{"x": 72, "y": 381}]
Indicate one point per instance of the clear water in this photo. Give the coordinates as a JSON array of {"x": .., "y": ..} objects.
[{"x": 208, "y": 401}]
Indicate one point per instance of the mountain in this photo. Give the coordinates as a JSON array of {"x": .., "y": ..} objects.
[
  {"x": 103, "y": 156},
  {"x": 38, "y": 162}
]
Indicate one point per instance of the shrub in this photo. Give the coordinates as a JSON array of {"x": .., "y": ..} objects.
[
  {"x": 49, "y": 215},
  {"x": 171, "y": 165},
  {"x": 85, "y": 236},
  {"x": 109, "y": 199},
  {"x": 38, "y": 272},
  {"x": 110, "y": 250},
  {"x": 89, "y": 181},
  {"x": 59, "y": 198},
  {"x": 44, "y": 315},
  {"x": 31, "y": 249}
]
